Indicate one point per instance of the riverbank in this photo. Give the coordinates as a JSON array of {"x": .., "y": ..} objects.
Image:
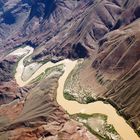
[{"x": 73, "y": 107}]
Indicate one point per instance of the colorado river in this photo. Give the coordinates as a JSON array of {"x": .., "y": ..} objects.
[{"x": 73, "y": 107}]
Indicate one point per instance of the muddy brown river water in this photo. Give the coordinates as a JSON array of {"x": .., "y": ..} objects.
[{"x": 73, "y": 107}]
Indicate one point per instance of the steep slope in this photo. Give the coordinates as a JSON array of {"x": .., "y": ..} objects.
[
  {"x": 103, "y": 32},
  {"x": 119, "y": 56},
  {"x": 40, "y": 117},
  {"x": 112, "y": 73},
  {"x": 53, "y": 28},
  {"x": 9, "y": 89}
]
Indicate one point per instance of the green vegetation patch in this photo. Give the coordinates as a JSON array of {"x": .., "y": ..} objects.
[
  {"x": 90, "y": 99},
  {"x": 97, "y": 124},
  {"x": 48, "y": 72},
  {"x": 68, "y": 96},
  {"x": 55, "y": 68},
  {"x": 77, "y": 92}
]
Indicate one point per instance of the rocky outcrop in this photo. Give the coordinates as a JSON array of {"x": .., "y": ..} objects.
[
  {"x": 56, "y": 26},
  {"x": 119, "y": 50},
  {"x": 40, "y": 117},
  {"x": 6, "y": 67},
  {"x": 9, "y": 89},
  {"x": 119, "y": 57},
  {"x": 60, "y": 29},
  {"x": 60, "y": 25},
  {"x": 130, "y": 14}
]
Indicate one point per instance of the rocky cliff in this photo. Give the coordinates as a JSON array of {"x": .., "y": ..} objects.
[
  {"x": 38, "y": 116},
  {"x": 106, "y": 32},
  {"x": 119, "y": 56}
]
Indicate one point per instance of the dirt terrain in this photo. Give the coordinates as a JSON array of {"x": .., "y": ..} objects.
[
  {"x": 104, "y": 33},
  {"x": 38, "y": 116}
]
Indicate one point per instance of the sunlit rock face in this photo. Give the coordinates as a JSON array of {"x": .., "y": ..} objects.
[
  {"x": 106, "y": 31},
  {"x": 32, "y": 17},
  {"x": 38, "y": 21},
  {"x": 119, "y": 56}
]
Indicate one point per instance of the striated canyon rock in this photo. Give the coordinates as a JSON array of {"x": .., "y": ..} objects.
[
  {"x": 104, "y": 32},
  {"x": 119, "y": 56},
  {"x": 39, "y": 116}
]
